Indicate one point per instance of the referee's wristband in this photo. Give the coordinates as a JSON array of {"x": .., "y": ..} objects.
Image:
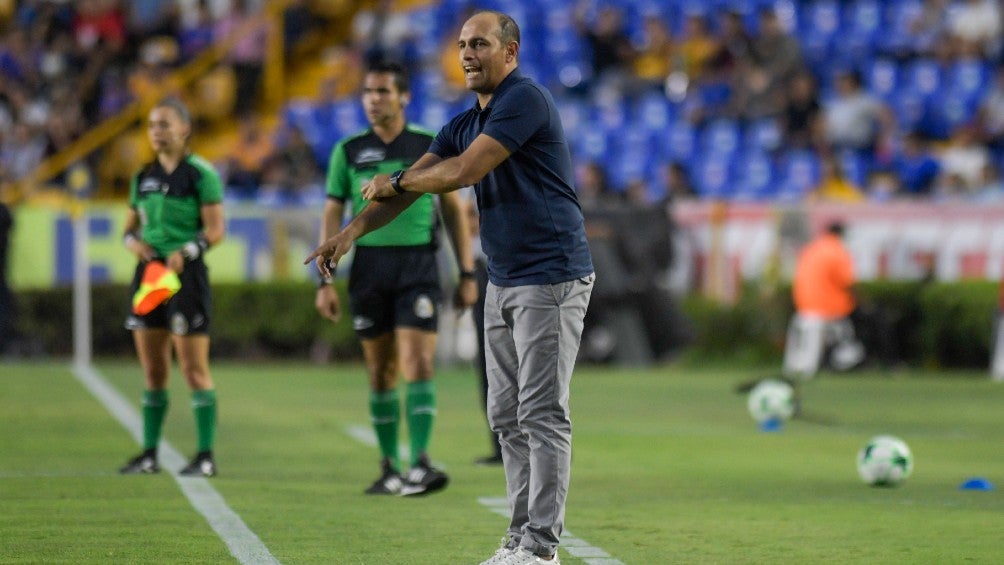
[{"x": 195, "y": 248}]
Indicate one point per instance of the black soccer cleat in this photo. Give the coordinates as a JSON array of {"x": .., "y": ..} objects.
[
  {"x": 202, "y": 465},
  {"x": 423, "y": 478},
  {"x": 143, "y": 464},
  {"x": 389, "y": 482}
]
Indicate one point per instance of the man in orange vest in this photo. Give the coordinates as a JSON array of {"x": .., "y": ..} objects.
[{"x": 823, "y": 292}]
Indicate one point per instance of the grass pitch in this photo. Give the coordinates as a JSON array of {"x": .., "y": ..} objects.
[{"x": 668, "y": 468}]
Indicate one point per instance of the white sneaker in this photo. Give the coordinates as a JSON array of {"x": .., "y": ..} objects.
[
  {"x": 521, "y": 556},
  {"x": 500, "y": 557}
]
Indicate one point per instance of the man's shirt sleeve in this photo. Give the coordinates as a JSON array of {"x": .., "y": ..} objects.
[
  {"x": 520, "y": 114},
  {"x": 338, "y": 184}
]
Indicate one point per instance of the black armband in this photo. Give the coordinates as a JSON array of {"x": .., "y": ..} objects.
[
  {"x": 195, "y": 248},
  {"x": 466, "y": 274},
  {"x": 395, "y": 181}
]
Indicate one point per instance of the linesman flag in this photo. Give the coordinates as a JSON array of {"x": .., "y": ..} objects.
[{"x": 158, "y": 284}]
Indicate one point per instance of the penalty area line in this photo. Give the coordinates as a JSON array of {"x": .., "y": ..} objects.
[{"x": 243, "y": 544}]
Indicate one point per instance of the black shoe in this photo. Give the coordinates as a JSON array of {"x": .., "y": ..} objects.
[
  {"x": 143, "y": 464},
  {"x": 490, "y": 460},
  {"x": 389, "y": 482},
  {"x": 423, "y": 478},
  {"x": 202, "y": 465}
]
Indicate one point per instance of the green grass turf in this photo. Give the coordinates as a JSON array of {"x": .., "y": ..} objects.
[{"x": 668, "y": 468}]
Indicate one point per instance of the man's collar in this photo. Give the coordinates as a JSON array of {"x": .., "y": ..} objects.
[{"x": 508, "y": 81}]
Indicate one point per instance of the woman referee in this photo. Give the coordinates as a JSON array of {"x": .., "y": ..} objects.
[{"x": 175, "y": 215}]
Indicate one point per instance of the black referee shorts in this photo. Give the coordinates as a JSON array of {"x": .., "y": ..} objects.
[
  {"x": 391, "y": 287},
  {"x": 185, "y": 313}
]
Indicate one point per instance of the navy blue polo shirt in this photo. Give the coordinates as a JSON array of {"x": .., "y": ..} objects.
[{"x": 531, "y": 224}]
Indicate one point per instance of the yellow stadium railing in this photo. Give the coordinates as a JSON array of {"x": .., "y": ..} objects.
[{"x": 106, "y": 131}]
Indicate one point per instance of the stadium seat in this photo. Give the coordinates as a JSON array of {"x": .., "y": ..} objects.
[
  {"x": 798, "y": 173},
  {"x": 754, "y": 177},
  {"x": 763, "y": 135},
  {"x": 922, "y": 76},
  {"x": 712, "y": 176},
  {"x": 721, "y": 136},
  {"x": 881, "y": 77}
]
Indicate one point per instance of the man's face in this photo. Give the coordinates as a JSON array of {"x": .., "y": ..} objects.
[
  {"x": 382, "y": 101},
  {"x": 482, "y": 54}
]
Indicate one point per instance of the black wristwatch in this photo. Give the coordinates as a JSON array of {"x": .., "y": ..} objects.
[
  {"x": 395, "y": 181},
  {"x": 466, "y": 274}
]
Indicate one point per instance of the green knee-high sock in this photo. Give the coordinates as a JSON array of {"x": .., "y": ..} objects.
[
  {"x": 385, "y": 411},
  {"x": 204, "y": 407},
  {"x": 420, "y": 405},
  {"x": 154, "y": 408}
]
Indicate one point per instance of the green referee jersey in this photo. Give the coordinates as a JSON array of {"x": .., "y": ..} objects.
[
  {"x": 169, "y": 204},
  {"x": 358, "y": 158}
]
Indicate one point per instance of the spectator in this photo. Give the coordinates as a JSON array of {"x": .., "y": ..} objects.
[
  {"x": 854, "y": 119},
  {"x": 303, "y": 172},
  {"x": 736, "y": 46},
  {"x": 977, "y": 24},
  {"x": 990, "y": 114},
  {"x": 883, "y": 185},
  {"x": 654, "y": 55},
  {"x": 928, "y": 27},
  {"x": 678, "y": 185},
  {"x": 594, "y": 186},
  {"x": 697, "y": 48},
  {"x": 7, "y": 311},
  {"x": 247, "y": 56},
  {"x": 246, "y": 161},
  {"x": 611, "y": 51},
  {"x": 196, "y": 33},
  {"x": 963, "y": 162},
  {"x": 834, "y": 186},
  {"x": 802, "y": 117}
]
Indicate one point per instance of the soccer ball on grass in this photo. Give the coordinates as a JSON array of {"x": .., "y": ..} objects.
[
  {"x": 771, "y": 400},
  {"x": 885, "y": 461}
]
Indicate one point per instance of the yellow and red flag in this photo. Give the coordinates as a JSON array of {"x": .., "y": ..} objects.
[{"x": 158, "y": 284}]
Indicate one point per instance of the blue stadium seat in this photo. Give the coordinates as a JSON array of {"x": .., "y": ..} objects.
[
  {"x": 818, "y": 23},
  {"x": 712, "y": 176},
  {"x": 798, "y": 174},
  {"x": 922, "y": 76},
  {"x": 721, "y": 136},
  {"x": 763, "y": 135},
  {"x": 969, "y": 77},
  {"x": 754, "y": 177},
  {"x": 881, "y": 77},
  {"x": 680, "y": 142}
]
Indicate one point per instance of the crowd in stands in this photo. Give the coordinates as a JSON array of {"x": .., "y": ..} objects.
[
  {"x": 67, "y": 65},
  {"x": 760, "y": 100}
]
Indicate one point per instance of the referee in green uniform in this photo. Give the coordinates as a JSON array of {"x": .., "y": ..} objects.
[
  {"x": 175, "y": 215},
  {"x": 394, "y": 289}
]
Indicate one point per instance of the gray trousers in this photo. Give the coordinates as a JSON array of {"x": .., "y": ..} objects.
[{"x": 532, "y": 336}]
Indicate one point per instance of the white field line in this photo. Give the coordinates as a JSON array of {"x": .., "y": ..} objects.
[
  {"x": 573, "y": 545},
  {"x": 242, "y": 542}
]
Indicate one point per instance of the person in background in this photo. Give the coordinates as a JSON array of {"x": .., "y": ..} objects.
[
  {"x": 175, "y": 216},
  {"x": 394, "y": 284},
  {"x": 824, "y": 297},
  {"x": 6, "y": 297},
  {"x": 511, "y": 146}
]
